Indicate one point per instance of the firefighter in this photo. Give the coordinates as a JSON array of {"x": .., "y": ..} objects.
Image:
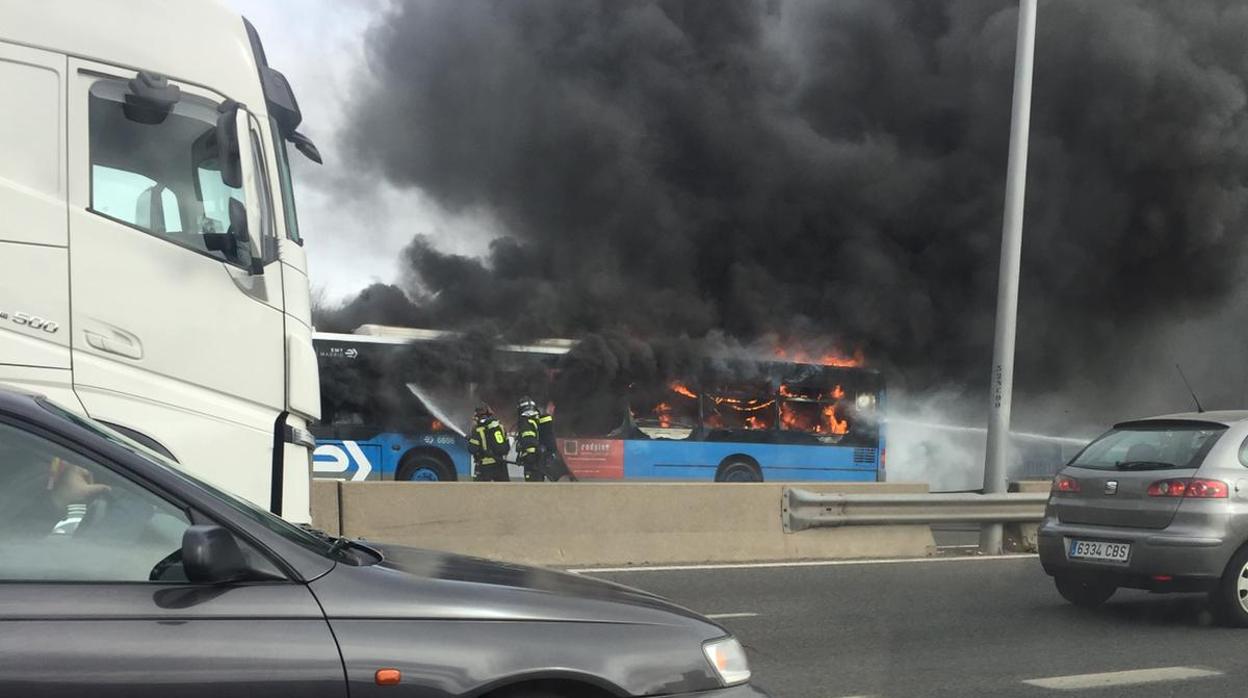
[
  {"x": 553, "y": 466},
  {"x": 488, "y": 445},
  {"x": 527, "y": 444}
]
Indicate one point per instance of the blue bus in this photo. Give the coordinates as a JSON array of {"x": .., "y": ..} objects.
[
  {"x": 787, "y": 422},
  {"x": 728, "y": 421},
  {"x": 365, "y": 435}
]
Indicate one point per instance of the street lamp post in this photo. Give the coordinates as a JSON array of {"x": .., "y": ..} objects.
[{"x": 1001, "y": 382}]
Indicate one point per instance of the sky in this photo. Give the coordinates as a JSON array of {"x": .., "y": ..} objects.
[
  {"x": 493, "y": 161},
  {"x": 318, "y": 45}
]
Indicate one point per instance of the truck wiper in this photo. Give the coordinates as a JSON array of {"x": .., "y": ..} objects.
[{"x": 1144, "y": 465}]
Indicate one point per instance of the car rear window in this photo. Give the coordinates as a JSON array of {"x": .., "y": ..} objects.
[{"x": 1156, "y": 446}]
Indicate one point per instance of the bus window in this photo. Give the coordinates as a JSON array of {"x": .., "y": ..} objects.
[
  {"x": 815, "y": 410},
  {"x": 739, "y": 408},
  {"x": 664, "y": 413}
]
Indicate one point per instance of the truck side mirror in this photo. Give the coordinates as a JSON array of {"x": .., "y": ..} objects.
[
  {"x": 304, "y": 145},
  {"x": 229, "y": 159},
  {"x": 210, "y": 555}
]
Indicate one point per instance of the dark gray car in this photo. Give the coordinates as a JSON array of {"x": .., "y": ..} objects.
[
  {"x": 1158, "y": 504},
  {"x": 121, "y": 576}
]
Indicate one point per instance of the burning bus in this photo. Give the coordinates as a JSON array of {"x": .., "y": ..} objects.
[{"x": 392, "y": 397}]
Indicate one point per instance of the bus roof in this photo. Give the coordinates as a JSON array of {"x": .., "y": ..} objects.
[
  {"x": 395, "y": 335},
  {"x": 385, "y": 334},
  {"x": 194, "y": 41}
]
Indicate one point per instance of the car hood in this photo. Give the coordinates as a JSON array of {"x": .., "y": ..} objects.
[{"x": 428, "y": 584}]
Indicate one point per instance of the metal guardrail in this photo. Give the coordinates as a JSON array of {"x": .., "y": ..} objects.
[{"x": 802, "y": 509}]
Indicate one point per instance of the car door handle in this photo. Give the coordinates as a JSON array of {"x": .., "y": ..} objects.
[{"x": 120, "y": 343}]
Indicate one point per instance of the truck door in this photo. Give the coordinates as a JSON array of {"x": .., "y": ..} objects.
[
  {"x": 177, "y": 327},
  {"x": 34, "y": 252}
]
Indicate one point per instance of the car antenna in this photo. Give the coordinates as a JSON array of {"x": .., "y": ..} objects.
[{"x": 1189, "y": 388}]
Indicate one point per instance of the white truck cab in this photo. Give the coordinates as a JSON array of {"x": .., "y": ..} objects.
[{"x": 151, "y": 270}]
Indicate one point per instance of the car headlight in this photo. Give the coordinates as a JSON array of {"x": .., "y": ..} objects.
[{"x": 728, "y": 659}]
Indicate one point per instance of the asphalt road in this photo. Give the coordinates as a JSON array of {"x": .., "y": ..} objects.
[{"x": 955, "y": 627}]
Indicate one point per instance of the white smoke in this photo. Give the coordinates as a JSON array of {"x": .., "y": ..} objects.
[{"x": 931, "y": 439}]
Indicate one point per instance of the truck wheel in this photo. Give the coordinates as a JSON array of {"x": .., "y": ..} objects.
[
  {"x": 1084, "y": 594},
  {"x": 422, "y": 467},
  {"x": 1230, "y": 599},
  {"x": 738, "y": 471}
]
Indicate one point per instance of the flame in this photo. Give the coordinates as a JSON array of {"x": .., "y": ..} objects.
[
  {"x": 836, "y": 394},
  {"x": 436, "y": 426},
  {"x": 788, "y": 418},
  {"x": 834, "y": 425},
  {"x": 794, "y": 418},
  {"x": 681, "y": 389},
  {"x": 663, "y": 411},
  {"x": 832, "y": 358},
  {"x": 754, "y": 422}
]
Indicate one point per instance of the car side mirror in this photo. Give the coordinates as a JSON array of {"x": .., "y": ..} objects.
[{"x": 210, "y": 555}]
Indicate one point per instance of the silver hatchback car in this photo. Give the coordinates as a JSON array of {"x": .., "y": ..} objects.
[{"x": 1158, "y": 504}]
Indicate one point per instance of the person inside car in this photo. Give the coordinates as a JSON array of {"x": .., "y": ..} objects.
[{"x": 59, "y": 501}]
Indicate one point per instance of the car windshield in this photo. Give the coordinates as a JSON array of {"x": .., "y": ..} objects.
[
  {"x": 1150, "y": 447},
  {"x": 321, "y": 544}
]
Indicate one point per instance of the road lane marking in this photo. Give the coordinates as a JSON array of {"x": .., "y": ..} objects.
[
  {"x": 1122, "y": 678},
  {"x": 802, "y": 563},
  {"x": 723, "y": 616}
]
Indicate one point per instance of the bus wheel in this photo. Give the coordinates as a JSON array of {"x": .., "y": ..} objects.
[
  {"x": 738, "y": 471},
  {"x": 422, "y": 467}
]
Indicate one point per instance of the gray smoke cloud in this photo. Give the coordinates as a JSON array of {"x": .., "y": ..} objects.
[{"x": 831, "y": 169}]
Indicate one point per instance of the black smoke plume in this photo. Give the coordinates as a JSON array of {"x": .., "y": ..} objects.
[{"x": 827, "y": 168}]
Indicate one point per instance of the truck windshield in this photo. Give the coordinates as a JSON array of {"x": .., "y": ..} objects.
[{"x": 1150, "y": 447}]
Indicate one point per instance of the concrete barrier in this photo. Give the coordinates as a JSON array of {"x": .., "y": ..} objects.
[
  {"x": 1021, "y": 537},
  {"x": 600, "y": 524},
  {"x": 325, "y": 511}
]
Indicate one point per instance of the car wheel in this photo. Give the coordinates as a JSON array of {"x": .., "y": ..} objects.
[
  {"x": 1230, "y": 598},
  {"x": 423, "y": 468},
  {"x": 1082, "y": 593},
  {"x": 739, "y": 471}
]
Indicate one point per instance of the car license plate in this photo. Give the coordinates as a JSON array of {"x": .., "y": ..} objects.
[{"x": 1099, "y": 550}]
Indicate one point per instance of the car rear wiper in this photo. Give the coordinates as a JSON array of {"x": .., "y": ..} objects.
[{"x": 1144, "y": 465}]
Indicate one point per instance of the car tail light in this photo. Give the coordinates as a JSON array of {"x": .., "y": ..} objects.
[
  {"x": 1207, "y": 489},
  {"x": 1061, "y": 483},
  {"x": 1189, "y": 487}
]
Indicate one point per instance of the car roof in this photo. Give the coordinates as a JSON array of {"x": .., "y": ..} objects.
[
  {"x": 1226, "y": 417},
  {"x": 17, "y": 400}
]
